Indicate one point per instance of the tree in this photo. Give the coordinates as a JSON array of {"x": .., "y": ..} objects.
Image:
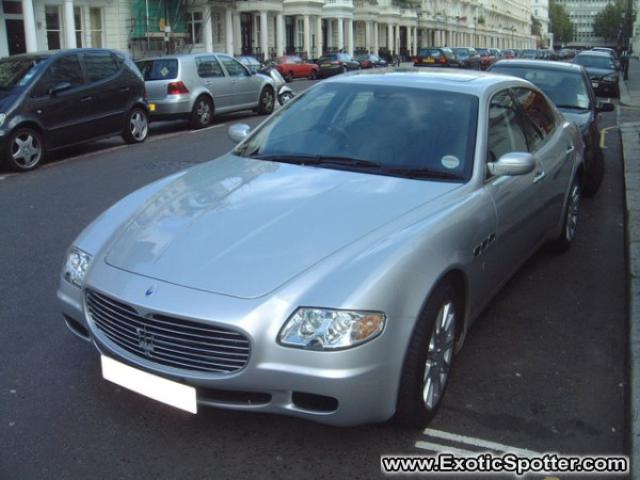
[
  {"x": 614, "y": 22},
  {"x": 536, "y": 26},
  {"x": 559, "y": 23}
]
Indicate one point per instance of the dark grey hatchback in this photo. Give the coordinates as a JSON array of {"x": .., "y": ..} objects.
[{"x": 52, "y": 100}]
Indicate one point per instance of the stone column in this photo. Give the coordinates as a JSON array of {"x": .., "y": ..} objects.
[
  {"x": 367, "y": 35},
  {"x": 307, "y": 36},
  {"x": 280, "y": 34},
  {"x": 31, "y": 40},
  {"x": 376, "y": 37},
  {"x": 415, "y": 41},
  {"x": 69, "y": 25},
  {"x": 340, "y": 34},
  {"x": 207, "y": 32},
  {"x": 228, "y": 35},
  {"x": 390, "y": 38},
  {"x": 237, "y": 31},
  {"x": 350, "y": 35},
  {"x": 264, "y": 35},
  {"x": 319, "y": 39}
]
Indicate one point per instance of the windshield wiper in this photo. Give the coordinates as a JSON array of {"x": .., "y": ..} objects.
[
  {"x": 423, "y": 173},
  {"x": 318, "y": 160}
]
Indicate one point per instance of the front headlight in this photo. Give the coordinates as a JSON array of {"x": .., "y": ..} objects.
[
  {"x": 327, "y": 329},
  {"x": 2, "y": 118},
  {"x": 75, "y": 267}
]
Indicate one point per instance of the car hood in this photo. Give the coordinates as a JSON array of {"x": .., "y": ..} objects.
[
  {"x": 598, "y": 72},
  {"x": 580, "y": 118},
  {"x": 243, "y": 227}
]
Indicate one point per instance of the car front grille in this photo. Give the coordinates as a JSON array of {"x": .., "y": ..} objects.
[{"x": 167, "y": 340}]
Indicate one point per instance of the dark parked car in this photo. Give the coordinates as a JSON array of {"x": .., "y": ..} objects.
[
  {"x": 436, "y": 57},
  {"x": 469, "y": 57},
  {"x": 55, "y": 99},
  {"x": 336, "y": 63},
  {"x": 602, "y": 71},
  {"x": 531, "y": 53},
  {"x": 487, "y": 58},
  {"x": 569, "y": 87},
  {"x": 369, "y": 60}
]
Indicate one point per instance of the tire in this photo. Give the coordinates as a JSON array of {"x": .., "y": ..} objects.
[
  {"x": 344, "y": 69},
  {"x": 594, "y": 174},
  {"x": 570, "y": 219},
  {"x": 313, "y": 75},
  {"x": 202, "y": 112},
  {"x": 25, "y": 149},
  {"x": 136, "y": 128},
  {"x": 418, "y": 399},
  {"x": 266, "y": 101}
]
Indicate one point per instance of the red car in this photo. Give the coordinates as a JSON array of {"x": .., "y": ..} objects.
[
  {"x": 294, "y": 67},
  {"x": 487, "y": 58}
]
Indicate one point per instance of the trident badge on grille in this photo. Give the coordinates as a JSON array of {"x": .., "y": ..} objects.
[{"x": 145, "y": 340}]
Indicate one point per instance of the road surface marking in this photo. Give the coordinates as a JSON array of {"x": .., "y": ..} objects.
[
  {"x": 436, "y": 447},
  {"x": 208, "y": 128},
  {"x": 478, "y": 442},
  {"x": 603, "y": 135}
]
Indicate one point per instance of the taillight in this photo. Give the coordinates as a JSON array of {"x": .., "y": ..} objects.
[
  {"x": 443, "y": 60},
  {"x": 176, "y": 88}
]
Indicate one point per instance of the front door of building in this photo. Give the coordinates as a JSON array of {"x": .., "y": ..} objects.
[
  {"x": 246, "y": 33},
  {"x": 15, "y": 36}
]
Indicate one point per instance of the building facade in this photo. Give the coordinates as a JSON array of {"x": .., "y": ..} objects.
[
  {"x": 265, "y": 28},
  {"x": 541, "y": 13},
  {"x": 582, "y": 14}
]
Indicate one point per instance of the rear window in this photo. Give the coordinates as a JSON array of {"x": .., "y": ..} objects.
[
  {"x": 161, "y": 69},
  {"x": 594, "y": 61},
  {"x": 429, "y": 52}
]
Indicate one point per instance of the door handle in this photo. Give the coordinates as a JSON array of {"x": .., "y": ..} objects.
[
  {"x": 86, "y": 99},
  {"x": 538, "y": 176},
  {"x": 571, "y": 148}
]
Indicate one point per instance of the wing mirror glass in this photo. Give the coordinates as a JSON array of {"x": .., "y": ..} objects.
[
  {"x": 239, "y": 131},
  {"x": 514, "y": 163}
]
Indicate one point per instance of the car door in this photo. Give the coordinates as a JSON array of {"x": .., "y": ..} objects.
[
  {"x": 109, "y": 91},
  {"x": 220, "y": 85},
  {"x": 518, "y": 200},
  {"x": 64, "y": 115},
  {"x": 246, "y": 87},
  {"x": 550, "y": 141}
]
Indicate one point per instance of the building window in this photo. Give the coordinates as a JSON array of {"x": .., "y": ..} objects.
[
  {"x": 96, "y": 31},
  {"x": 195, "y": 28},
  {"x": 300, "y": 31},
  {"x": 11, "y": 7},
  {"x": 52, "y": 21},
  {"x": 77, "y": 17}
]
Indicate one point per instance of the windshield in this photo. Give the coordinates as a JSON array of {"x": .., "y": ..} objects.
[
  {"x": 565, "y": 89},
  {"x": 594, "y": 61},
  {"x": 17, "y": 72},
  {"x": 461, "y": 52},
  {"x": 160, "y": 69},
  {"x": 347, "y": 126}
]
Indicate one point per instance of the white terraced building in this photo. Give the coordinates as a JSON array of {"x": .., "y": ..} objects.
[{"x": 263, "y": 27}]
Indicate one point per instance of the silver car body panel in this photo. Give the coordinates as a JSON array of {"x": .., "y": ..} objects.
[
  {"x": 243, "y": 243},
  {"x": 229, "y": 93}
]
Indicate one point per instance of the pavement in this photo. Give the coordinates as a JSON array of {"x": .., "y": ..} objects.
[
  {"x": 630, "y": 134},
  {"x": 543, "y": 369}
]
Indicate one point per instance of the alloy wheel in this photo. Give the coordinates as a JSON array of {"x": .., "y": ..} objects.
[
  {"x": 571, "y": 222},
  {"x": 203, "y": 110},
  {"x": 138, "y": 125},
  {"x": 439, "y": 356},
  {"x": 26, "y": 150}
]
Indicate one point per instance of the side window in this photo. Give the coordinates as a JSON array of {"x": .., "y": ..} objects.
[
  {"x": 208, "y": 67},
  {"x": 64, "y": 69},
  {"x": 539, "y": 116},
  {"x": 505, "y": 132},
  {"x": 234, "y": 68},
  {"x": 100, "y": 65}
]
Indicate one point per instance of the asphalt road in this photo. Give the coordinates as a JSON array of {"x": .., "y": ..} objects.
[{"x": 543, "y": 369}]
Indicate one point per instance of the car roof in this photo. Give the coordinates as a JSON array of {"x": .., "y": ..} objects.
[
  {"x": 44, "y": 54},
  {"x": 594, "y": 53},
  {"x": 463, "y": 81},
  {"x": 542, "y": 64},
  {"x": 181, "y": 56}
]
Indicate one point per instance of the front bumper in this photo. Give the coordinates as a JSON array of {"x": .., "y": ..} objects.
[
  {"x": 328, "y": 72},
  {"x": 362, "y": 381}
]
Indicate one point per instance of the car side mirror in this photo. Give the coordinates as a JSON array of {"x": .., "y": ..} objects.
[
  {"x": 59, "y": 88},
  {"x": 239, "y": 131},
  {"x": 605, "y": 107},
  {"x": 513, "y": 163}
]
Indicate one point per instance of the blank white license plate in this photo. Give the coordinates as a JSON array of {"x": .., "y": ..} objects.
[
  {"x": 152, "y": 386},
  {"x": 594, "y": 84}
]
